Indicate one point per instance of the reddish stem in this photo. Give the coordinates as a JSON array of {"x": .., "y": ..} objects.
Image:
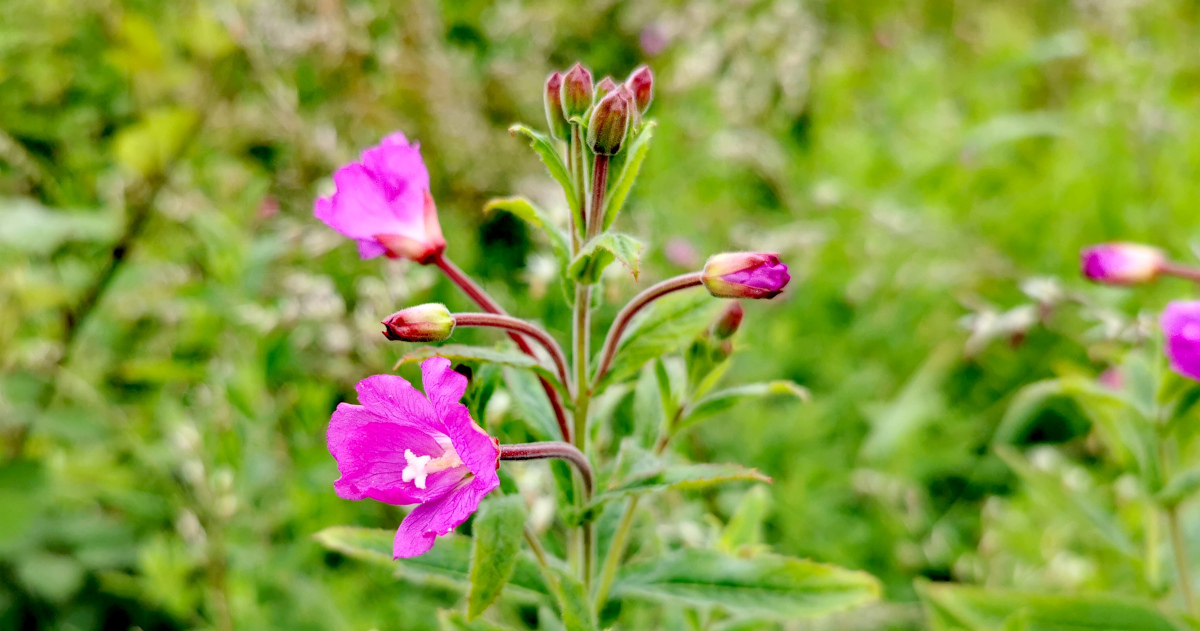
[
  {"x": 509, "y": 323},
  {"x": 552, "y": 449},
  {"x": 1180, "y": 270},
  {"x": 485, "y": 302},
  {"x": 628, "y": 311},
  {"x": 599, "y": 185}
]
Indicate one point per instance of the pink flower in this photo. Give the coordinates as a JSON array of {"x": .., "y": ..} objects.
[
  {"x": 745, "y": 275},
  {"x": 1121, "y": 263},
  {"x": 383, "y": 202},
  {"x": 1181, "y": 325},
  {"x": 404, "y": 447}
]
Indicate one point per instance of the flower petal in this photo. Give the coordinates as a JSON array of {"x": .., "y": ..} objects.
[
  {"x": 370, "y": 248},
  {"x": 369, "y": 450},
  {"x": 394, "y": 398},
  {"x": 438, "y": 517},
  {"x": 362, "y": 207},
  {"x": 443, "y": 386},
  {"x": 1181, "y": 326}
]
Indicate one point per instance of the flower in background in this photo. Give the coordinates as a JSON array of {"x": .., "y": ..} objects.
[
  {"x": 745, "y": 275},
  {"x": 1181, "y": 325},
  {"x": 403, "y": 447},
  {"x": 1121, "y": 263},
  {"x": 383, "y": 202}
]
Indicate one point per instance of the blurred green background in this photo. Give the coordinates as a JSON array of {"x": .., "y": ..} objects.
[{"x": 177, "y": 328}]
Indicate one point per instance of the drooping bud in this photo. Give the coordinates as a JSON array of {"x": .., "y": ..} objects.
[
  {"x": 729, "y": 321},
  {"x": 1122, "y": 263},
  {"x": 430, "y": 322},
  {"x": 559, "y": 128},
  {"x": 576, "y": 91},
  {"x": 1181, "y": 327},
  {"x": 610, "y": 123},
  {"x": 745, "y": 275},
  {"x": 641, "y": 83},
  {"x": 605, "y": 86}
]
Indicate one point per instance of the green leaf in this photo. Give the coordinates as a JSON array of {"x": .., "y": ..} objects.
[
  {"x": 535, "y": 216},
  {"x": 446, "y": 565},
  {"x": 745, "y": 525},
  {"x": 546, "y": 150},
  {"x": 777, "y": 586},
  {"x": 457, "y": 621},
  {"x": 530, "y": 402},
  {"x": 1182, "y": 486},
  {"x": 637, "y": 471},
  {"x": 511, "y": 358},
  {"x": 666, "y": 326},
  {"x": 496, "y": 545},
  {"x": 27, "y": 226},
  {"x": 635, "y": 155},
  {"x": 149, "y": 146},
  {"x": 1049, "y": 490},
  {"x": 573, "y": 601},
  {"x": 55, "y": 577},
  {"x": 598, "y": 253},
  {"x": 951, "y": 607},
  {"x": 649, "y": 413},
  {"x": 722, "y": 400}
]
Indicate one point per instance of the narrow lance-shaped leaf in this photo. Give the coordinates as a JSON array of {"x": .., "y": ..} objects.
[
  {"x": 634, "y": 156},
  {"x": 573, "y": 601},
  {"x": 498, "y": 356},
  {"x": 722, "y": 400},
  {"x": 496, "y": 544},
  {"x": 667, "y": 325},
  {"x": 553, "y": 161},
  {"x": 768, "y": 584},
  {"x": 523, "y": 208},
  {"x": 598, "y": 253}
]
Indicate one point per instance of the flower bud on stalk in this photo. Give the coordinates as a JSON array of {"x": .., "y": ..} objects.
[
  {"x": 641, "y": 83},
  {"x": 559, "y": 127},
  {"x": 1122, "y": 263},
  {"x": 751, "y": 275},
  {"x": 610, "y": 123},
  {"x": 729, "y": 321},
  {"x": 576, "y": 91},
  {"x": 430, "y": 322},
  {"x": 605, "y": 86}
]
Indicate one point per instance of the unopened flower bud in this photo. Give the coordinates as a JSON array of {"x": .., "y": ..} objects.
[
  {"x": 745, "y": 275},
  {"x": 430, "y": 322},
  {"x": 641, "y": 83},
  {"x": 605, "y": 86},
  {"x": 1122, "y": 263},
  {"x": 559, "y": 128},
  {"x": 610, "y": 122},
  {"x": 576, "y": 91},
  {"x": 729, "y": 321}
]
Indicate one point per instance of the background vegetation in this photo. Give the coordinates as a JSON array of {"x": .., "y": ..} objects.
[{"x": 177, "y": 327}]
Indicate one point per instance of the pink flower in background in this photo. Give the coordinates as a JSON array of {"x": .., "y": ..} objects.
[
  {"x": 403, "y": 447},
  {"x": 1121, "y": 263},
  {"x": 383, "y": 202},
  {"x": 679, "y": 251},
  {"x": 1181, "y": 325},
  {"x": 745, "y": 275}
]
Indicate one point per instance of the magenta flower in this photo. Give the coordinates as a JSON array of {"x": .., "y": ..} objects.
[
  {"x": 404, "y": 447},
  {"x": 383, "y": 202},
  {"x": 1181, "y": 325},
  {"x": 745, "y": 275},
  {"x": 1121, "y": 263}
]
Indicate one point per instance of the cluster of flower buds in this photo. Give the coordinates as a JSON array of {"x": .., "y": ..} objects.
[
  {"x": 610, "y": 110},
  {"x": 1136, "y": 263}
]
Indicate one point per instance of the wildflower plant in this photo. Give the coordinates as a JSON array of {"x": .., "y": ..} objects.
[{"x": 665, "y": 354}]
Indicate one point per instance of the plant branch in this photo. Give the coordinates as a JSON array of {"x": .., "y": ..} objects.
[
  {"x": 517, "y": 325},
  {"x": 630, "y": 310},
  {"x": 1179, "y": 270},
  {"x": 1179, "y": 546},
  {"x": 552, "y": 449},
  {"x": 595, "y": 224},
  {"x": 485, "y": 302}
]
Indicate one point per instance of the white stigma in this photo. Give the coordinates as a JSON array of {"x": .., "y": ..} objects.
[{"x": 415, "y": 470}]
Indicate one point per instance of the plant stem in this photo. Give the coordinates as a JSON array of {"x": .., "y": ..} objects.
[
  {"x": 552, "y": 449},
  {"x": 1181, "y": 559},
  {"x": 599, "y": 186},
  {"x": 1180, "y": 270},
  {"x": 485, "y": 302},
  {"x": 616, "y": 550},
  {"x": 509, "y": 323},
  {"x": 581, "y": 337},
  {"x": 577, "y": 171},
  {"x": 628, "y": 311}
]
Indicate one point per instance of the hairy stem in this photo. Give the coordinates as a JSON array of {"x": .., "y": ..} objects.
[
  {"x": 577, "y": 170},
  {"x": 485, "y": 302},
  {"x": 599, "y": 186},
  {"x": 517, "y": 325},
  {"x": 1179, "y": 546},
  {"x": 609, "y": 350},
  {"x": 552, "y": 449}
]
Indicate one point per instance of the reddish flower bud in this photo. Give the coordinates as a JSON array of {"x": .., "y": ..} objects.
[
  {"x": 729, "y": 321},
  {"x": 576, "y": 91},
  {"x": 745, "y": 275},
  {"x": 430, "y": 322},
  {"x": 1122, "y": 263},
  {"x": 611, "y": 119},
  {"x": 559, "y": 128},
  {"x": 605, "y": 86},
  {"x": 641, "y": 83}
]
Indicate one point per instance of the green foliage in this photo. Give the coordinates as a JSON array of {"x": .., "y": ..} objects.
[
  {"x": 598, "y": 253},
  {"x": 634, "y": 155},
  {"x": 495, "y": 548},
  {"x": 667, "y": 325},
  {"x": 962, "y": 608}
]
